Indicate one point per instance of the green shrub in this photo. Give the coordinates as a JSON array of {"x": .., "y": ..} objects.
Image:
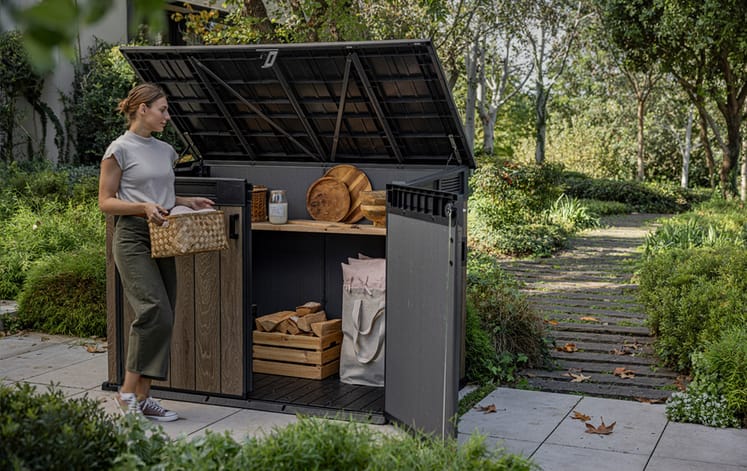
[
  {"x": 539, "y": 240},
  {"x": 644, "y": 197},
  {"x": 724, "y": 362},
  {"x": 65, "y": 293},
  {"x": 481, "y": 357},
  {"x": 515, "y": 331},
  {"x": 101, "y": 81},
  {"x": 605, "y": 208},
  {"x": 32, "y": 233},
  {"x": 47, "y": 431},
  {"x": 691, "y": 296},
  {"x": 700, "y": 407}
]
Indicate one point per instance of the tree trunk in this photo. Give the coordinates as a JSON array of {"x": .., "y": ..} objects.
[
  {"x": 640, "y": 174},
  {"x": 731, "y": 150},
  {"x": 743, "y": 187},
  {"x": 541, "y": 123},
  {"x": 687, "y": 150},
  {"x": 471, "y": 100},
  {"x": 710, "y": 163}
]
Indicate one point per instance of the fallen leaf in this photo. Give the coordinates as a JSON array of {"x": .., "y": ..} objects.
[
  {"x": 44, "y": 339},
  {"x": 632, "y": 346},
  {"x": 487, "y": 409},
  {"x": 624, "y": 373},
  {"x": 569, "y": 347},
  {"x": 577, "y": 377},
  {"x": 681, "y": 382},
  {"x": 589, "y": 318},
  {"x": 552, "y": 321},
  {"x": 648, "y": 400},
  {"x": 579, "y": 416},
  {"x": 602, "y": 429},
  {"x": 95, "y": 348}
]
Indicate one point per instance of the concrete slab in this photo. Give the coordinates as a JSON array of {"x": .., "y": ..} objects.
[
  {"x": 35, "y": 363},
  {"x": 193, "y": 417},
  {"x": 671, "y": 464},
  {"x": 521, "y": 415},
  {"x": 519, "y": 447},
  {"x": 691, "y": 442},
  {"x": 14, "y": 345},
  {"x": 637, "y": 429},
  {"x": 250, "y": 423},
  {"x": 563, "y": 458},
  {"x": 85, "y": 374}
]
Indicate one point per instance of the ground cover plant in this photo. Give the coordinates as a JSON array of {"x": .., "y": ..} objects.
[{"x": 47, "y": 431}]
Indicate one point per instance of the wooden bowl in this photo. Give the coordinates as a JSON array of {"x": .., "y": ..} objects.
[
  {"x": 375, "y": 214},
  {"x": 373, "y": 198}
]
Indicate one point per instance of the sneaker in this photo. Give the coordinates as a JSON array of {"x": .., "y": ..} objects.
[
  {"x": 128, "y": 404},
  {"x": 155, "y": 411}
]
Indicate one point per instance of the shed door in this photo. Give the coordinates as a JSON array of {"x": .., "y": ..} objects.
[{"x": 422, "y": 317}]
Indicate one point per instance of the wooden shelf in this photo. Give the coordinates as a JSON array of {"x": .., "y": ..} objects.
[{"x": 308, "y": 225}]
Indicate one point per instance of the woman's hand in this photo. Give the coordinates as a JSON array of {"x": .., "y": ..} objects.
[{"x": 155, "y": 213}]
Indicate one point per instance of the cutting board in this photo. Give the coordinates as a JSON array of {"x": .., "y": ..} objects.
[
  {"x": 356, "y": 181},
  {"x": 328, "y": 199}
]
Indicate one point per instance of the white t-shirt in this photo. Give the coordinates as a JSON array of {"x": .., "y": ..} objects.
[{"x": 147, "y": 169}]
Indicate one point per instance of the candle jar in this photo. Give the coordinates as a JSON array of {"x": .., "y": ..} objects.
[{"x": 278, "y": 207}]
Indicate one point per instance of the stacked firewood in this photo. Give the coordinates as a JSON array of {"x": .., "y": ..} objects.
[{"x": 307, "y": 319}]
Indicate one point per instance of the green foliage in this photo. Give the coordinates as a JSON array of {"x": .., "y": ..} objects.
[
  {"x": 101, "y": 81},
  {"x": 508, "y": 206},
  {"x": 599, "y": 208},
  {"x": 700, "y": 407},
  {"x": 723, "y": 362},
  {"x": 514, "y": 330},
  {"x": 570, "y": 214},
  {"x": 47, "y": 431},
  {"x": 17, "y": 80},
  {"x": 649, "y": 198},
  {"x": 691, "y": 296},
  {"x": 65, "y": 294},
  {"x": 715, "y": 223},
  {"x": 41, "y": 228}
]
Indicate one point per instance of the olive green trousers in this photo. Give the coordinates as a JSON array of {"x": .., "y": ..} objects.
[{"x": 149, "y": 286}]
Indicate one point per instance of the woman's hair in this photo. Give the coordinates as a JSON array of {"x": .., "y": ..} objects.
[{"x": 145, "y": 93}]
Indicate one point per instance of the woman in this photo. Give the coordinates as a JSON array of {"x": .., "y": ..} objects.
[{"x": 137, "y": 185}]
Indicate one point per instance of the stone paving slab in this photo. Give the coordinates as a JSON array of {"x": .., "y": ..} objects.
[
  {"x": 693, "y": 442},
  {"x": 564, "y": 458},
  {"x": 15, "y": 345},
  {"x": 38, "y": 362},
  {"x": 518, "y": 447},
  {"x": 86, "y": 374},
  {"x": 521, "y": 415},
  {"x": 671, "y": 464},
  {"x": 637, "y": 429}
]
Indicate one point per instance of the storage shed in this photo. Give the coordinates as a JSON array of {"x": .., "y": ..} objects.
[{"x": 281, "y": 116}]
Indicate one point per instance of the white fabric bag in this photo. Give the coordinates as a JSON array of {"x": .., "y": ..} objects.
[{"x": 363, "y": 322}]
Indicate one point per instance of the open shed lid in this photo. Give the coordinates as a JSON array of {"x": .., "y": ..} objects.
[{"x": 365, "y": 102}]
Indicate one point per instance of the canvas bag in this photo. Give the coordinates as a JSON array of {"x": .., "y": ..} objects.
[{"x": 363, "y": 322}]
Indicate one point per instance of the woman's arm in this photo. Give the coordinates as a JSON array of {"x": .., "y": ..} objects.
[
  {"x": 194, "y": 202},
  {"x": 111, "y": 205}
]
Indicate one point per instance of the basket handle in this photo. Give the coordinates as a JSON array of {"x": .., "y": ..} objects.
[{"x": 233, "y": 231}]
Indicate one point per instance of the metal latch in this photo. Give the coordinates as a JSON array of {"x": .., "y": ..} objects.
[{"x": 270, "y": 57}]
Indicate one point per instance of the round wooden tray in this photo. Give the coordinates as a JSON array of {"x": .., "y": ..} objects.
[
  {"x": 328, "y": 199},
  {"x": 356, "y": 182}
]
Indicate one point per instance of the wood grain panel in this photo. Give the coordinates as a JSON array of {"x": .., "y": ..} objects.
[
  {"x": 207, "y": 322},
  {"x": 111, "y": 306},
  {"x": 233, "y": 366},
  {"x": 182, "y": 364}
]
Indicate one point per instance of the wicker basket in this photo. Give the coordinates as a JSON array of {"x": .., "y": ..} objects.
[
  {"x": 188, "y": 233},
  {"x": 259, "y": 203}
]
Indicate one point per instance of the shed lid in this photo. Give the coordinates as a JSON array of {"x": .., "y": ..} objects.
[{"x": 364, "y": 102}]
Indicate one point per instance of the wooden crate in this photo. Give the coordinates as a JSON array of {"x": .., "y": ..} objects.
[{"x": 301, "y": 356}]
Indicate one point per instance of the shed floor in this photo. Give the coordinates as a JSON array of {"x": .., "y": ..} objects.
[{"x": 328, "y": 393}]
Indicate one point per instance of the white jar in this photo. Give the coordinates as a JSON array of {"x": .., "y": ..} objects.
[{"x": 278, "y": 207}]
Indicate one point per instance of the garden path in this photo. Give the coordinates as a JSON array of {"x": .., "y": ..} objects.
[{"x": 587, "y": 297}]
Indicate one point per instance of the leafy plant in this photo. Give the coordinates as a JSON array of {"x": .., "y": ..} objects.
[
  {"x": 570, "y": 214},
  {"x": 599, "y": 208},
  {"x": 47, "y": 431},
  {"x": 723, "y": 363},
  {"x": 46, "y": 227},
  {"x": 691, "y": 296},
  {"x": 65, "y": 293},
  {"x": 514, "y": 330}
]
